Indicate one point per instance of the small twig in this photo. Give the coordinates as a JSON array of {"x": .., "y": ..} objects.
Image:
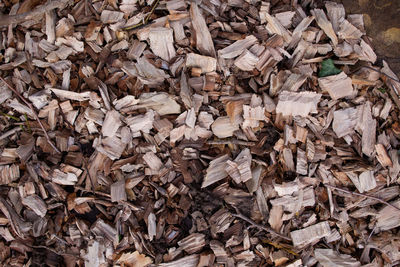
[
  {"x": 261, "y": 227},
  {"x": 144, "y": 20},
  {"x": 34, "y": 113},
  {"x": 362, "y": 195},
  {"x": 34, "y": 14},
  {"x": 228, "y": 142}
]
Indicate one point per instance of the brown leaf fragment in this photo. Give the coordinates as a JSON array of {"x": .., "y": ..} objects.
[{"x": 204, "y": 41}]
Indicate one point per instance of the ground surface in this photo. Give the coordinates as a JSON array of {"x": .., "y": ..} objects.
[{"x": 382, "y": 22}]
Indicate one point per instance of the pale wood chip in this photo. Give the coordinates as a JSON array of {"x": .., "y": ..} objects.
[{"x": 311, "y": 234}]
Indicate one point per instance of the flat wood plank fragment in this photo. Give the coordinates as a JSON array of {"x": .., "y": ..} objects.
[
  {"x": 338, "y": 86},
  {"x": 223, "y": 127},
  {"x": 330, "y": 258},
  {"x": 204, "y": 41},
  {"x": 162, "y": 43},
  {"x": 325, "y": 24},
  {"x": 246, "y": 61},
  {"x": 237, "y": 48},
  {"x": 382, "y": 156},
  {"x": 297, "y": 104},
  {"x": 205, "y": 63},
  {"x": 344, "y": 121},
  {"x": 311, "y": 234},
  {"x": 118, "y": 192},
  {"x": 111, "y": 123},
  {"x": 215, "y": 171}
]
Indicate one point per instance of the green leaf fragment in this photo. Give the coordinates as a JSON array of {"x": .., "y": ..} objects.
[{"x": 328, "y": 68}]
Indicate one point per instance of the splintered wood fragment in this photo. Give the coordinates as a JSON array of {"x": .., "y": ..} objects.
[
  {"x": 9, "y": 173},
  {"x": 336, "y": 13},
  {"x": 160, "y": 102},
  {"x": 331, "y": 258},
  {"x": 204, "y": 42},
  {"x": 298, "y": 31},
  {"x": 237, "y": 48},
  {"x": 338, "y": 86},
  {"x": 162, "y": 43},
  {"x": 223, "y": 127},
  {"x": 301, "y": 162},
  {"x": 297, "y": 104},
  {"x": 365, "y": 52},
  {"x": 188, "y": 261},
  {"x": 247, "y": 61},
  {"x": 262, "y": 203},
  {"x": 344, "y": 121},
  {"x": 151, "y": 226},
  {"x": 347, "y": 31},
  {"x": 118, "y": 192},
  {"x": 112, "y": 147},
  {"x": 63, "y": 178},
  {"x": 252, "y": 116},
  {"x": 275, "y": 217},
  {"x": 108, "y": 16},
  {"x": 205, "y": 63},
  {"x": 239, "y": 169},
  {"x": 367, "y": 181},
  {"x": 136, "y": 49},
  {"x": 51, "y": 26},
  {"x": 192, "y": 243},
  {"x": 146, "y": 72},
  {"x": 305, "y": 198},
  {"x": 215, "y": 171},
  {"x": 134, "y": 259},
  {"x": 274, "y": 26},
  {"x": 152, "y": 161},
  {"x": 64, "y": 94},
  {"x": 311, "y": 234},
  {"x": 33, "y": 14},
  {"x": 111, "y": 123},
  {"x": 382, "y": 156},
  {"x": 367, "y": 125},
  {"x": 102, "y": 229},
  {"x": 35, "y": 203},
  {"x": 325, "y": 24},
  {"x": 388, "y": 217}
]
